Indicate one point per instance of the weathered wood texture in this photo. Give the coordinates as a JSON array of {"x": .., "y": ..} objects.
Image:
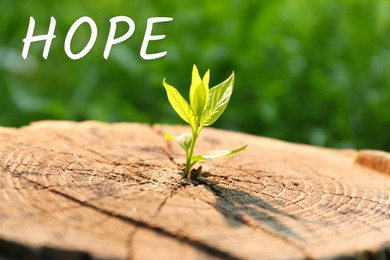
[{"x": 113, "y": 191}]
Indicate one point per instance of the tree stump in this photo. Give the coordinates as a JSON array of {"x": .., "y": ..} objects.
[{"x": 114, "y": 191}]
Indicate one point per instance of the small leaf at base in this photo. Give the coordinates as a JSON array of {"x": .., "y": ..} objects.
[
  {"x": 184, "y": 140},
  {"x": 215, "y": 154}
]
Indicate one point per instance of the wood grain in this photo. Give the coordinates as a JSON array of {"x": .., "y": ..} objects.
[{"x": 113, "y": 191}]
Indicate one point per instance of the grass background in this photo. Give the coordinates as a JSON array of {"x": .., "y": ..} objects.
[{"x": 307, "y": 71}]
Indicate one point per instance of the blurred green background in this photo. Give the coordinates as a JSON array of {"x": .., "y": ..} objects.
[{"x": 308, "y": 71}]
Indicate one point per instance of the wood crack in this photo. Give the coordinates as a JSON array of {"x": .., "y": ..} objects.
[
  {"x": 169, "y": 156},
  {"x": 142, "y": 224},
  {"x": 130, "y": 242}
]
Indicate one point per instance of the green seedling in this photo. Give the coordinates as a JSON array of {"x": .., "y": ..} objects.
[{"x": 205, "y": 107}]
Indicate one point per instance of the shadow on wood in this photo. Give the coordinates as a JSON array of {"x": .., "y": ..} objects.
[{"x": 243, "y": 206}]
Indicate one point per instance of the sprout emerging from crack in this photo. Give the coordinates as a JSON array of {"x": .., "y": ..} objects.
[{"x": 205, "y": 107}]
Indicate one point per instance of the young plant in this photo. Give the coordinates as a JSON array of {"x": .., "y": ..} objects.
[{"x": 205, "y": 107}]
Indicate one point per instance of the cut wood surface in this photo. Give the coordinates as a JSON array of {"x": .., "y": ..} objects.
[{"x": 114, "y": 191}]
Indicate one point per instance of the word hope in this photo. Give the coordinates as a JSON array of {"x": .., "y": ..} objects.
[{"x": 111, "y": 40}]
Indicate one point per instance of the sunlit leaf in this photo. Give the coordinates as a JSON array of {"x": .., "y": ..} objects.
[
  {"x": 200, "y": 99},
  {"x": 215, "y": 154},
  {"x": 218, "y": 100},
  {"x": 169, "y": 137},
  {"x": 199, "y": 92},
  {"x": 206, "y": 79},
  {"x": 195, "y": 81},
  {"x": 179, "y": 104}
]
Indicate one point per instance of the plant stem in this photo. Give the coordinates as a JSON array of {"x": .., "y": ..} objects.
[{"x": 189, "y": 155}]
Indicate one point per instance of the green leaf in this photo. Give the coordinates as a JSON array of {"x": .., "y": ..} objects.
[
  {"x": 184, "y": 140},
  {"x": 200, "y": 99},
  {"x": 179, "y": 104},
  {"x": 199, "y": 92},
  {"x": 169, "y": 137},
  {"x": 195, "y": 159},
  {"x": 206, "y": 79},
  {"x": 195, "y": 81},
  {"x": 218, "y": 100},
  {"x": 215, "y": 154}
]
